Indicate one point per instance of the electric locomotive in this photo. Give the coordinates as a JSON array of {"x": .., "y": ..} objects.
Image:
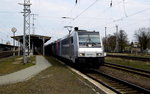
[{"x": 80, "y": 47}]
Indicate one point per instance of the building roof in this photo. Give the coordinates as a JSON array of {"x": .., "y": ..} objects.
[
  {"x": 37, "y": 40},
  {"x": 5, "y": 45}
]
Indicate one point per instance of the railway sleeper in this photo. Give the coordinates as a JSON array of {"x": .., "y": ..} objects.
[
  {"x": 130, "y": 92},
  {"x": 115, "y": 85},
  {"x": 119, "y": 88},
  {"x": 126, "y": 89}
]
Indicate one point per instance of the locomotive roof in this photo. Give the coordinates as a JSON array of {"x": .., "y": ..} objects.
[
  {"x": 84, "y": 31},
  {"x": 68, "y": 35}
]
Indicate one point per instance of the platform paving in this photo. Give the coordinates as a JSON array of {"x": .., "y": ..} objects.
[{"x": 27, "y": 73}]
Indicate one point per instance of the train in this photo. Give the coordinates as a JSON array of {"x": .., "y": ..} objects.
[
  {"x": 81, "y": 47},
  {"x": 7, "y": 50}
]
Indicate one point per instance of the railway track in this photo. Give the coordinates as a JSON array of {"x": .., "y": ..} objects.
[
  {"x": 131, "y": 57},
  {"x": 117, "y": 85},
  {"x": 141, "y": 72}
]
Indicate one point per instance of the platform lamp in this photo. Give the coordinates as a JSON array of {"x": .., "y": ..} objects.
[{"x": 14, "y": 31}]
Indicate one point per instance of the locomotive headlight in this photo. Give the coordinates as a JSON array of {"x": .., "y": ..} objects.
[
  {"x": 81, "y": 54},
  {"x": 99, "y": 54}
]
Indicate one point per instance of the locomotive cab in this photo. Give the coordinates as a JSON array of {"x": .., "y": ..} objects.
[{"x": 90, "y": 48}]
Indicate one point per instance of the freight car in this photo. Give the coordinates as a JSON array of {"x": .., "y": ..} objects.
[{"x": 80, "y": 47}]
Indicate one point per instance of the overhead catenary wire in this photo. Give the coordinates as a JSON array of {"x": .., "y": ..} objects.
[
  {"x": 84, "y": 11},
  {"x": 70, "y": 12},
  {"x": 132, "y": 14},
  {"x": 124, "y": 8},
  {"x": 4, "y": 32},
  {"x": 125, "y": 13},
  {"x": 122, "y": 18},
  {"x": 3, "y": 41},
  {"x": 128, "y": 25},
  {"x": 111, "y": 5},
  {"x": 5, "y": 38},
  {"x": 4, "y": 35}
]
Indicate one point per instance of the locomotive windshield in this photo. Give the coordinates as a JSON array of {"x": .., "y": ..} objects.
[{"x": 89, "y": 39}]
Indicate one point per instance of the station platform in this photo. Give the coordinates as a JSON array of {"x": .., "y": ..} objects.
[
  {"x": 27, "y": 73},
  {"x": 57, "y": 79}
]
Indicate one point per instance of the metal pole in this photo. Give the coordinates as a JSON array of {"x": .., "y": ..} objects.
[
  {"x": 43, "y": 46},
  {"x": 105, "y": 32},
  {"x": 149, "y": 22},
  {"x": 26, "y": 30},
  {"x": 14, "y": 39},
  {"x": 29, "y": 37},
  {"x": 33, "y": 23},
  {"x": 105, "y": 40},
  {"x": 24, "y": 35},
  {"x": 32, "y": 49},
  {"x": 14, "y": 43},
  {"x": 18, "y": 47},
  {"x": 116, "y": 48}
]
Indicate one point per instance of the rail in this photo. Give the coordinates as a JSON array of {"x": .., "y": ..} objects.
[
  {"x": 117, "y": 85},
  {"x": 131, "y": 57},
  {"x": 141, "y": 72}
]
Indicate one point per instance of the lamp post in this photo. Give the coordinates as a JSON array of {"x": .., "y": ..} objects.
[{"x": 14, "y": 31}]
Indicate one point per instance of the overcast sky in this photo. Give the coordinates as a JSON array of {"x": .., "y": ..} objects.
[{"x": 129, "y": 15}]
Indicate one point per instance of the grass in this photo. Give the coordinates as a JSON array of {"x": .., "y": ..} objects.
[
  {"x": 133, "y": 55},
  {"x": 132, "y": 63},
  {"x": 56, "y": 79},
  {"x": 33, "y": 59},
  {"x": 13, "y": 64}
]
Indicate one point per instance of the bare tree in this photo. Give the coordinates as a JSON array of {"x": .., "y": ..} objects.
[
  {"x": 143, "y": 37},
  {"x": 123, "y": 40},
  {"x": 110, "y": 41}
]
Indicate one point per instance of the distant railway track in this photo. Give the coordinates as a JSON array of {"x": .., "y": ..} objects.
[
  {"x": 131, "y": 57},
  {"x": 117, "y": 85},
  {"x": 141, "y": 72}
]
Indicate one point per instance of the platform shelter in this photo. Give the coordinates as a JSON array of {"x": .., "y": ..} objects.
[{"x": 36, "y": 43}]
